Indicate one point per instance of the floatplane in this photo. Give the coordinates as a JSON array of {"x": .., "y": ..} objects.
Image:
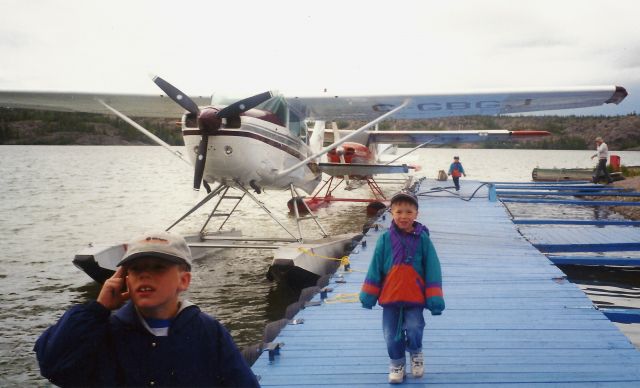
[
  {"x": 240, "y": 148},
  {"x": 354, "y": 163}
]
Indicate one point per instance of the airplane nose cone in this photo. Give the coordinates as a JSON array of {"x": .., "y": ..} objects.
[{"x": 208, "y": 121}]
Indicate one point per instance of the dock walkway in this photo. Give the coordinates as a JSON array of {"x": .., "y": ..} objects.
[{"x": 511, "y": 318}]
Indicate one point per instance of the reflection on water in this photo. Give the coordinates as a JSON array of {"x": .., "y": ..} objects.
[
  {"x": 607, "y": 286},
  {"x": 55, "y": 200}
]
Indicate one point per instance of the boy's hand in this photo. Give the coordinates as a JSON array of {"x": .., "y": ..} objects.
[{"x": 111, "y": 295}]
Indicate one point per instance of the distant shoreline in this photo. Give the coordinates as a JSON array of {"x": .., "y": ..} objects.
[{"x": 29, "y": 127}]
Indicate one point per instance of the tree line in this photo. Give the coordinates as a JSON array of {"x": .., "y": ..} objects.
[{"x": 21, "y": 126}]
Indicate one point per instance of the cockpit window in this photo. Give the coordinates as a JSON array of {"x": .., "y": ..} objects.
[
  {"x": 297, "y": 127},
  {"x": 278, "y": 106}
]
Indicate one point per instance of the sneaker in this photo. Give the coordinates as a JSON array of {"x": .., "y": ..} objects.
[
  {"x": 396, "y": 374},
  {"x": 417, "y": 364}
]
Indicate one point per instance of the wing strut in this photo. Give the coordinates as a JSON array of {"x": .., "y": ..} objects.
[
  {"x": 410, "y": 151},
  {"x": 145, "y": 132},
  {"x": 344, "y": 139}
]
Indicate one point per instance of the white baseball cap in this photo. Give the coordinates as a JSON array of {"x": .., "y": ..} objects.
[{"x": 162, "y": 245}]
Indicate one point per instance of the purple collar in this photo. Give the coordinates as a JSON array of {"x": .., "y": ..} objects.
[{"x": 404, "y": 244}]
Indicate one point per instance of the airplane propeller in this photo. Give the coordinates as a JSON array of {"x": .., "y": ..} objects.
[
  {"x": 209, "y": 119},
  {"x": 176, "y": 95}
]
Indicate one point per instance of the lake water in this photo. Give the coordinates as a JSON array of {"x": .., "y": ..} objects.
[{"x": 56, "y": 199}]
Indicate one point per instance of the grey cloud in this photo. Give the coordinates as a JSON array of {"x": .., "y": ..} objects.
[
  {"x": 14, "y": 40},
  {"x": 630, "y": 58},
  {"x": 536, "y": 43}
]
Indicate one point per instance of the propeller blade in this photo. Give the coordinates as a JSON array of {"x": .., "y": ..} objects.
[
  {"x": 244, "y": 105},
  {"x": 200, "y": 162},
  {"x": 176, "y": 95}
]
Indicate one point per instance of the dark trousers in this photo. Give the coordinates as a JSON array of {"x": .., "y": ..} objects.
[
  {"x": 456, "y": 181},
  {"x": 602, "y": 170}
]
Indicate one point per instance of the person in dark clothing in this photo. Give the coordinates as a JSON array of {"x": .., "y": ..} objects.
[{"x": 155, "y": 339}]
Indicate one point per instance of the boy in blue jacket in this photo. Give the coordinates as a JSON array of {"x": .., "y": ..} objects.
[
  {"x": 155, "y": 339},
  {"x": 456, "y": 171},
  {"x": 404, "y": 277}
]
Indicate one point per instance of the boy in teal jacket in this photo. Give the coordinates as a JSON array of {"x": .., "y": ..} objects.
[
  {"x": 455, "y": 171},
  {"x": 404, "y": 277}
]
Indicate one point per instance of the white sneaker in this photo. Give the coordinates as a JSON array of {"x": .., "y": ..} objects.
[
  {"x": 417, "y": 364},
  {"x": 396, "y": 374}
]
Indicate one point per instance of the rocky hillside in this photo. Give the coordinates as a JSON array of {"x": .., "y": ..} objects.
[
  {"x": 569, "y": 132},
  {"x": 61, "y": 128}
]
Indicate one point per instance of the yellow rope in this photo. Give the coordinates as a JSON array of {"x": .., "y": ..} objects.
[
  {"x": 344, "y": 260},
  {"x": 308, "y": 252},
  {"x": 344, "y": 298}
]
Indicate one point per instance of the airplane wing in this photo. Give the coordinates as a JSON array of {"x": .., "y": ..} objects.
[
  {"x": 339, "y": 169},
  {"x": 129, "y": 104},
  {"x": 335, "y": 108},
  {"x": 446, "y": 137},
  {"x": 455, "y": 104}
]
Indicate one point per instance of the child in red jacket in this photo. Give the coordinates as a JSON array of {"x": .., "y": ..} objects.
[
  {"x": 456, "y": 171},
  {"x": 404, "y": 277}
]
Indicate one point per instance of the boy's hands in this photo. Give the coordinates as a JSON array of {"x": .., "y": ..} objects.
[{"x": 111, "y": 295}]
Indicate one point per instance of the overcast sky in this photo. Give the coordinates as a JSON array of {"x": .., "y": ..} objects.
[{"x": 302, "y": 47}]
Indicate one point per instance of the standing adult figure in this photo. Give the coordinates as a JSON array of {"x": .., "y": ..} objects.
[{"x": 602, "y": 152}]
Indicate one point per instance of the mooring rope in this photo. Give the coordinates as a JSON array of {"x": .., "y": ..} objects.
[
  {"x": 344, "y": 298},
  {"x": 344, "y": 260}
]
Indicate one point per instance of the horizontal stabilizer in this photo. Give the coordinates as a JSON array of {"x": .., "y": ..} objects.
[{"x": 340, "y": 169}]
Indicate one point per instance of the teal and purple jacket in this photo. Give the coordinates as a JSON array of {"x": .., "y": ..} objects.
[
  {"x": 456, "y": 169},
  {"x": 404, "y": 271}
]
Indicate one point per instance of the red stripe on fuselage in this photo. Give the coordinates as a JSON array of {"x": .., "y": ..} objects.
[{"x": 250, "y": 135}]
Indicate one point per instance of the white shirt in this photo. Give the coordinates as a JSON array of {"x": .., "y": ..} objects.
[{"x": 603, "y": 151}]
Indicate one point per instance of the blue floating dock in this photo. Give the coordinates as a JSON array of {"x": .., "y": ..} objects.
[
  {"x": 563, "y": 193},
  {"x": 551, "y": 239},
  {"x": 512, "y": 319},
  {"x": 595, "y": 260},
  {"x": 570, "y": 202},
  {"x": 529, "y": 221},
  {"x": 560, "y": 187}
]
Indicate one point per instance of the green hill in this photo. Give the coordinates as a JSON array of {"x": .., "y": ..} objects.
[{"x": 18, "y": 126}]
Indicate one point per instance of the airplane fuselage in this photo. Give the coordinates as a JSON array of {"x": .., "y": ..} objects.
[
  {"x": 353, "y": 153},
  {"x": 252, "y": 152}
]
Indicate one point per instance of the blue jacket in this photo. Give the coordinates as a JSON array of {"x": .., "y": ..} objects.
[{"x": 90, "y": 347}]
